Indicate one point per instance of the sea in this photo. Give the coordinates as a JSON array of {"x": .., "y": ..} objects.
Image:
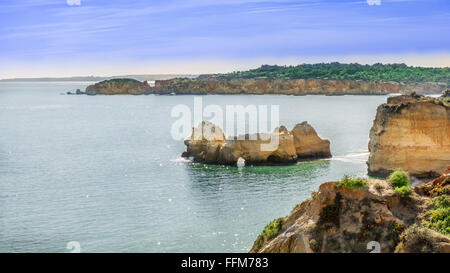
[{"x": 104, "y": 173}]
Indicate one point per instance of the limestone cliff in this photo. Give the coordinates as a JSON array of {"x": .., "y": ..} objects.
[
  {"x": 118, "y": 86},
  {"x": 410, "y": 133},
  {"x": 341, "y": 219},
  {"x": 208, "y": 144},
  {"x": 211, "y": 85}
]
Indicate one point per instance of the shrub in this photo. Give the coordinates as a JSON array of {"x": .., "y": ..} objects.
[
  {"x": 417, "y": 239},
  {"x": 353, "y": 182},
  {"x": 403, "y": 191},
  {"x": 397, "y": 230},
  {"x": 399, "y": 179},
  {"x": 401, "y": 183},
  {"x": 441, "y": 202},
  {"x": 314, "y": 245},
  {"x": 269, "y": 232},
  {"x": 439, "y": 215}
]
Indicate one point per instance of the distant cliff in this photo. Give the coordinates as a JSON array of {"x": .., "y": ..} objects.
[
  {"x": 411, "y": 133},
  {"x": 289, "y": 87},
  {"x": 118, "y": 87},
  {"x": 211, "y": 85}
]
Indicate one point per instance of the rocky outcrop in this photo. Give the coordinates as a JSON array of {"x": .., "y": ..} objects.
[
  {"x": 341, "y": 219},
  {"x": 208, "y": 144},
  {"x": 412, "y": 133},
  {"x": 308, "y": 144},
  {"x": 436, "y": 187},
  {"x": 118, "y": 86},
  {"x": 77, "y": 92},
  {"x": 205, "y": 143},
  {"x": 422, "y": 240}
]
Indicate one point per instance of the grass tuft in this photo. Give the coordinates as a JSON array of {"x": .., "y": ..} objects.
[{"x": 355, "y": 183}]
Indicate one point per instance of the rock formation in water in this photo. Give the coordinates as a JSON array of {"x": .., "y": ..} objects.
[
  {"x": 341, "y": 219},
  {"x": 77, "y": 92},
  {"x": 308, "y": 144},
  {"x": 411, "y": 133},
  {"x": 208, "y": 144},
  {"x": 212, "y": 85},
  {"x": 118, "y": 87}
]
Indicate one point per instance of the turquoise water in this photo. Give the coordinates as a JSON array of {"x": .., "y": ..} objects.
[{"x": 104, "y": 171}]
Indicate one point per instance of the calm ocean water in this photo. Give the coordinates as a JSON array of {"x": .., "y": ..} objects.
[{"x": 104, "y": 171}]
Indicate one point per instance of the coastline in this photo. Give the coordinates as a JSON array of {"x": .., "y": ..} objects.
[{"x": 299, "y": 87}]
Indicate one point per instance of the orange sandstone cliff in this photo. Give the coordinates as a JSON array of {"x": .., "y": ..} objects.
[{"x": 411, "y": 133}]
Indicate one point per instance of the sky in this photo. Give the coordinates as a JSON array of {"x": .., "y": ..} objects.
[{"x": 42, "y": 38}]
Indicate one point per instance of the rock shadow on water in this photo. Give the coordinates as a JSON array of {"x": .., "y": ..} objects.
[{"x": 215, "y": 178}]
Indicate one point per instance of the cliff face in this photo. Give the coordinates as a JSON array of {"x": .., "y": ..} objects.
[
  {"x": 288, "y": 87},
  {"x": 411, "y": 133},
  {"x": 211, "y": 85},
  {"x": 118, "y": 87},
  {"x": 208, "y": 144},
  {"x": 339, "y": 219}
]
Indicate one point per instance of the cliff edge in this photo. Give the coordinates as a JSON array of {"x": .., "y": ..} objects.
[
  {"x": 412, "y": 133},
  {"x": 362, "y": 215},
  {"x": 258, "y": 86},
  {"x": 212, "y": 85}
]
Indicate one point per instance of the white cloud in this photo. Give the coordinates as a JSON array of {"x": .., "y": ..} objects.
[
  {"x": 73, "y": 2},
  {"x": 373, "y": 2}
]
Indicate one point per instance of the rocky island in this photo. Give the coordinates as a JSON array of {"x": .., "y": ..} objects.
[
  {"x": 316, "y": 79},
  {"x": 412, "y": 133},
  {"x": 208, "y": 144},
  {"x": 363, "y": 215}
]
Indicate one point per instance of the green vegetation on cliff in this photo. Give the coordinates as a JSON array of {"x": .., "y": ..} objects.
[
  {"x": 401, "y": 183},
  {"x": 353, "y": 71},
  {"x": 269, "y": 232},
  {"x": 120, "y": 81},
  {"x": 355, "y": 183},
  {"x": 439, "y": 215}
]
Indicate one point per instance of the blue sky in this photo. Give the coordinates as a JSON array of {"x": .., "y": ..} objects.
[{"x": 103, "y": 37}]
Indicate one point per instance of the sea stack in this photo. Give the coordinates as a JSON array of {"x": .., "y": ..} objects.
[
  {"x": 412, "y": 133},
  {"x": 208, "y": 144}
]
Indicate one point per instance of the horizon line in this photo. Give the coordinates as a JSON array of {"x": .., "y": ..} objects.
[{"x": 197, "y": 74}]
